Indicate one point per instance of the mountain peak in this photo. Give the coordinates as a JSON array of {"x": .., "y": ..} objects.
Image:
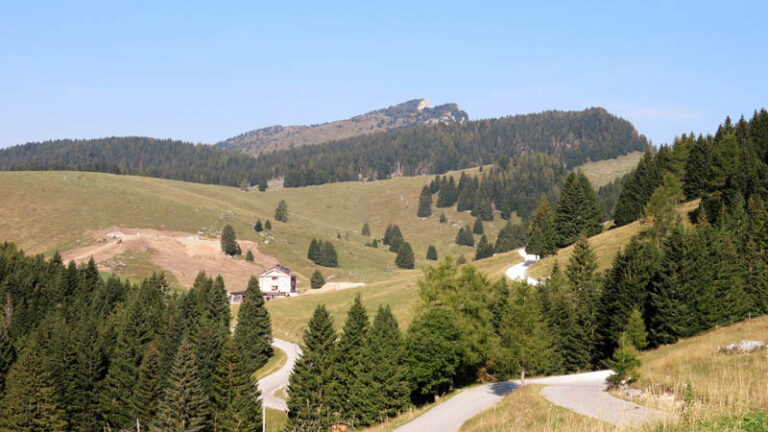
[{"x": 411, "y": 113}]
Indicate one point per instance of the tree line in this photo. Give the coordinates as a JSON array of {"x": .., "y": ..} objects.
[{"x": 80, "y": 353}]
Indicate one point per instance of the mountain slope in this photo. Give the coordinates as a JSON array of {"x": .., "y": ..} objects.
[{"x": 413, "y": 113}]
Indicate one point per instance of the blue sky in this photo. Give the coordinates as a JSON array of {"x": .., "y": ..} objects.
[{"x": 205, "y": 71}]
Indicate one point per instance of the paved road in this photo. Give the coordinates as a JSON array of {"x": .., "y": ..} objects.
[
  {"x": 518, "y": 272},
  {"x": 582, "y": 393},
  {"x": 272, "y": 382}
]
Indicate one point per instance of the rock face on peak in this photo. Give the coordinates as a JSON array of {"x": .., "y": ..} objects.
[{"x": 415, "y": 112}]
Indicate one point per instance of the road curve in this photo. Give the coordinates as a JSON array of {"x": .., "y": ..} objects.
[
  {"x": 582, "y": 393},
  {"x": 518, "y": 272},
  {"x": 278, "y": 379}
]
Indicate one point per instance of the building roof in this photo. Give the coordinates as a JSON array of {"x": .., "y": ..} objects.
[{"x": 285, "y": 270}]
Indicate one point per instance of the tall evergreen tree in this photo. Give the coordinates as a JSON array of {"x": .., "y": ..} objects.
[
  {"x": 149, "y": 388},
  {"x": 230, "y": 380},
  {"x": 366, "y": 231},
  {"x": 405, "y": 258},
  {"x": 253, "y": 334},
  {"x": 640, "y": 185},
  {"x": 511, "y": 237},
  {"x": 636, "y": 330},
  {"x": 484, "y": 249},
  {"x": 697, "y": 169},
  {"x": 464, "y": 237},
  {"x": 308, "y": 408},
  {"x": 317, "y": 280},
  {"x": 432, "y": 253},
  {"x": 484, "y": 209},
  {"x": 542, "y": 234},
  {"x": 425, "y": 203},
  {"x": 328, "y": 257},
  {"x": 570, "y": 353},
  {"x": 314, "y": 250},
  {"x": 185, "y": 406},
  {"x": 7, "y": 355},
  {"x": 477, "y": 228},
  {"x": 346, "y": 393},
  {"x": 281, "y": 212},
  {"x": 30, "y": 403},
  {"x": 584, "y": 281},
  {"x": 258, "y": 227},
  {"x": 228, "y": 240},
  {"x": 578, "y": 210},
  {"x": 385, "y": 386},
  {"x": 393, "y": 238}
]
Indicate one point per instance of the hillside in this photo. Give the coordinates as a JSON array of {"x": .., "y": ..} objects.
[{"x": 413, "y": 113}]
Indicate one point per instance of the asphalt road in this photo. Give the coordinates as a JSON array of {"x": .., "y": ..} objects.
[{"x": 274, "y": 381}]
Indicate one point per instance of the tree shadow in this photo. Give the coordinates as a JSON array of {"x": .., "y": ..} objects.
[{"x": 502, "y": 388}]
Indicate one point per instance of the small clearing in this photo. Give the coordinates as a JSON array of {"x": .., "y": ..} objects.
[{"x": 181, "y": 254}]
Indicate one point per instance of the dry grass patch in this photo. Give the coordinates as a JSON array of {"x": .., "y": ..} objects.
[
  {"x": 601, "y": 173},
  {"x": 526, "y": 410}
]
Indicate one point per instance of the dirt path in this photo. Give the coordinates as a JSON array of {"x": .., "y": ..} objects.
[
  {"x": 334, "y": 286},
  {"x": 582, "y": 393},
  {"x": 181, "y": 254}
]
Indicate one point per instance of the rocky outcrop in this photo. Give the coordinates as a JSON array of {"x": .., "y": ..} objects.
[{"x": 415, "y": 112}]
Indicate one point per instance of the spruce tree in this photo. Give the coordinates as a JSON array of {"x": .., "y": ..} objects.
[
  {"x": 578, "y": 210},
  {"x": 511, "y": 237},
  {"x": 366, "y": 231},
  {"x": 312, "y": 374},
  {"x": 30, "y": 402},
  {"x": 328, "y": 257},
  {"x": 149, "y": 387},
  {"x": 624, "y": 362},
  {"x": 484, "y": 209},
  {"x": 636, "y": 330},
  {"x": 7, "y": 355},
  {"x": 268, "y": 225},
  {"x": 281, "y": 212},
  {"x": 228, "y": 240},
  {"x": 393, "y": 238},
  {"x": 249, "y": 256},
  {"x": 232, "y": 385},
  {"x": 317, "y": 280},
  {"x": 584, "y": 281},
  {"x": 477, "y": 228},
  {"x": 443, "y": 219},
  {"x": 253, "y": 334},
  {"x": 666, "y": 310},
  {"x": 313, "y": 253},
  {"x": 432, "y": 253},
  {"x": 697, "y": 169},
  {"x": 258, "y": 227},
  {"x": 425, "y": 203},
  {"x": 464, "y": 237},
  {"x": 484, "y": 249},
  {"x": 405, "y": 258},
  {"x": 570, "y": 353},
  {"x": 385, "y": 388},
  {"x": 346, "y": 393},
  {"x": 185, "y": 406},
  {"x": 542, "y": 234}
]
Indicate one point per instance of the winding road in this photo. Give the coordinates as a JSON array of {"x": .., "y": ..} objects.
[
  {"x": 279, "y": 379},
  {"x": 582, "y": 393}
]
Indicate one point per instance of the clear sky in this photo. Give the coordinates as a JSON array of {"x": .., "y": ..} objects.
[{"x": 205, "y": 71}]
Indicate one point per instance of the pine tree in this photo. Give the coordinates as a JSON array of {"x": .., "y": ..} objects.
[
  {"x": 317, "y": 280},
  {"x": 328, "y": 257},
  {"x": 570, "y": 353},
  {"x": 229, "y": 381},
  {"x": 249, "y": 256},
  {"x": 662, "y": 205},
  {"x": 281, "y": 212},
  {"x": 314, "y": 250},
  {"x": 478, "y": 227},
  {"x": 484, "y": 249},
  {"x": 484, "y": 209},
  {"x": 393, "y": 237},
  {"x": 346, "y": 393},
  {"x": 666, "y": 310},
  {"x": 511, "y": 237},
  {"x": 405, "y": 258},
  {"x": 253, "y": 334},
  {"x": 542, "y": 234},
  {"x": 258, "y": 227},
  {"x": 185, "y": 406},
  {"x": 697, "y": 169},
  {"x": 366, "y": 231},
  {"x": 308, "y": 408},
  {"x": 636, "y": 330},
  {"x": 584, "y": 281},
  {"x": 385, "y": 387},
  {"x": 425, "y": 203},
  {"x": 465, "y": 237},
  {"x": 30, "y": 403},
  {"x": 432, "y": 253},
  {"x": 228, "y": 240},
  {"x": 578, "y": 210},
  {"x": 149, "y": 387},
  {"x": 447, "y": 194},
  {"x": 624, "y": 362},
  {"x": 268, "y": 225},
  {"x": 7, "y": 355}
]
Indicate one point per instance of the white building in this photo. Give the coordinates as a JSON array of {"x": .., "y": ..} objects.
[{"x": 277, "y": 282}]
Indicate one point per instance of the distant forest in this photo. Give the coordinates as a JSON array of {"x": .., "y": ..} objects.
[{"x": 572, "y": 137}]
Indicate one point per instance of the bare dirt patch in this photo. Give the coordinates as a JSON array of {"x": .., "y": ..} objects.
[
  {"x": 335, "y": 286},
  {"x": 181, "y": 254}
]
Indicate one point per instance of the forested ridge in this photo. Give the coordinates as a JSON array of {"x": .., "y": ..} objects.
[{"x": 571, "y": 137}]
